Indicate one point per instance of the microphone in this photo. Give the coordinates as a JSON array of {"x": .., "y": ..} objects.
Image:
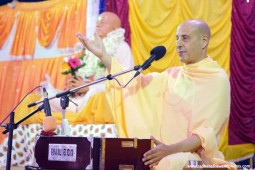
[
  {"x": 156, "y": 54},
  {"x": 49, "y": 122},
  {"x": 46, "y": 103}
]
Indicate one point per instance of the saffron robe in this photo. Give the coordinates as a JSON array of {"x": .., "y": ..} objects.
[{"x": 173, "y": 105}]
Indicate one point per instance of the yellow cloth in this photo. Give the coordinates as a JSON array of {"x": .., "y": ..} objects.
[
  {"x": 174, "y": 104},
  {"x": 235, "y": 153},
  {"x": 158, "y": 27},
  {"x": 96, "y": 111}
]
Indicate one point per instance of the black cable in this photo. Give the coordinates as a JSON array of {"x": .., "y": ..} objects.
[{"x": 18, "y": 104}]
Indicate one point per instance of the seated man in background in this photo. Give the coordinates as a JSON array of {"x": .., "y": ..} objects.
[
  {"x": 183, "y": 109},
  {"x": 93, "y": 107},
  {"x": 109, "y": 30}
]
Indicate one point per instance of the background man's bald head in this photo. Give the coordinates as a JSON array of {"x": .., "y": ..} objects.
[
  {"x": 113, "y": 18},
  {"x": 106, "y": 23}
]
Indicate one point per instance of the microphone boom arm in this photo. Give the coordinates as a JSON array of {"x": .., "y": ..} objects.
[{"x": 70, "y": 91}]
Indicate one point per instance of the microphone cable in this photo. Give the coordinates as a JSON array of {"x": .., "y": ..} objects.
[{"x": 1, "y": 123}]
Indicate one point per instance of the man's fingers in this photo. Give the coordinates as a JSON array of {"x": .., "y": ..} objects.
[
  {"x": 72, "y": 82},
  {"x": 97, "y": 36},
  {"x": 79, "y": 78},
  {"x": 150, "y": 152},
  {"x": 78, "y": 34},
  {"x": 152, "y": 161},
  {"x": 83, "y": 39},
  {"x": 154, "y": 164}
]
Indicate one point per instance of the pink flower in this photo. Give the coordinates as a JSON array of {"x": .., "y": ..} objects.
[
  {"x": 74, "y": 62},
  {"x": 71, "y": 65}
]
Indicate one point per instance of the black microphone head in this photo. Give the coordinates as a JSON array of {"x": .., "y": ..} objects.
[{"x": 158, "y": 51}]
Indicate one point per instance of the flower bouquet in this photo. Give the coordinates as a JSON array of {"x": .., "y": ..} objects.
[{"x": 71, "y": 65}]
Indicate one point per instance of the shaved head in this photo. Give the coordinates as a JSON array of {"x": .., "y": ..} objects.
[
  {"x": 115, "y": 20},
  {"x": 106, "y": 23},
  {"x": 192, "y": 41},
  {"x": 200, "y": 26}
]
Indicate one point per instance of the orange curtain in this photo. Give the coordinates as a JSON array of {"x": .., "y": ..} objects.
[
  {"x": 25, "y": 36},
  {"x": 74, "y": 19},
  {"x": 7, "y": 16},
  {"x": 35, "y": 21},
  {"x": 44, "y": 21},
  {"x": 17, "y": 78},
  {"x": 49, "y": 21}
]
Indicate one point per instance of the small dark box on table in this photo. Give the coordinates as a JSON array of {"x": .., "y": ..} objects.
[{"x": 120, "y": 153}]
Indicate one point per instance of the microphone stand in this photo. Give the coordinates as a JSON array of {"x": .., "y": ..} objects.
[
  {"x": 9, "y": 128},
  {"x": 65, "y": 103},
  {"x": 70, "y": 91},
  {"x": 12, "y": 125}
]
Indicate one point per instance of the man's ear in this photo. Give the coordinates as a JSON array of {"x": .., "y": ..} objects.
[
  {"x": 205, "y": 41},
  {"x": 115, "y": 26}
]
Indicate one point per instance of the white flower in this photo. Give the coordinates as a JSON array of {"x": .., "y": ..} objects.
[{"x": 92, "y": 67}]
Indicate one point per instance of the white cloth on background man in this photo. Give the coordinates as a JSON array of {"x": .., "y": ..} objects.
[{"x": 116, "y": 46}]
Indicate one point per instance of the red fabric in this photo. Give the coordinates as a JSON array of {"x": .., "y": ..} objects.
[
  {"x": 242, "y": 73},
  {"x": 43, "y": 133},
  {"x": 120, "y": 7}
]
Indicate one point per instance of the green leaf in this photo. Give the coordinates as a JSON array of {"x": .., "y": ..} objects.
[{"x": 100, "y": 64}]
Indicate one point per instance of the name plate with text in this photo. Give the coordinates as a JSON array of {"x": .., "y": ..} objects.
[{"x": 62, "y": 152}]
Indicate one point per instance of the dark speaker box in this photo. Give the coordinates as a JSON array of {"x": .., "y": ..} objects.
[{"x": 65, "y": 153}]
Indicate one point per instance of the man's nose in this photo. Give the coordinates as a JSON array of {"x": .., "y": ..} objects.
[
  {"x": 179, "y": 43},
  {"x": 98, "y": 24}
]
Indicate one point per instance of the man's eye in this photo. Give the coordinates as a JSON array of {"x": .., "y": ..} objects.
[{"x": 184, "y": 37}]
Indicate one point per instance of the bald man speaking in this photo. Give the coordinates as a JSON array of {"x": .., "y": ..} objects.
[{"x": 183, "y": 109}]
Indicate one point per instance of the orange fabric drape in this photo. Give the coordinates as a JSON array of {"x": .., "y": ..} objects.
[
  {"x": 41, "y": 21},
  {"x": 7, "y": 16},
  {"x": 73, "y": 21},
  {"x": 35, "y": 21},
  {"x": 49, "y": 21},
  {"x": 18, "y": 77},
  {"x": 25, "y": 36}
]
